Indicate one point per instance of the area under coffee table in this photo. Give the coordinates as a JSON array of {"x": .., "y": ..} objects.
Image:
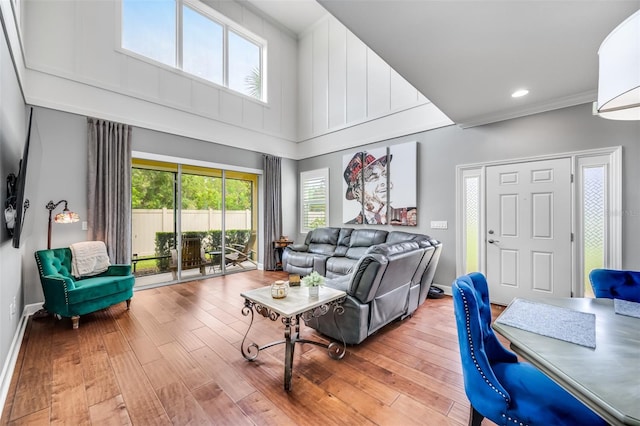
[{"x": 292, "y": 308}]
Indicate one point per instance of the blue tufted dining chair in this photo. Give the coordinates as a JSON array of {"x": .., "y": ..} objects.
[
  {"x": 500, "y": 388},
  {"x": 615, "y": 284}
]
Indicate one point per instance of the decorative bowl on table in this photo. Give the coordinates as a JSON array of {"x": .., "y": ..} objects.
[{"x": 279, "y": 289}]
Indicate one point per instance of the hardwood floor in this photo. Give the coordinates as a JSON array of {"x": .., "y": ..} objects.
[{"x": 174, "y": 358}]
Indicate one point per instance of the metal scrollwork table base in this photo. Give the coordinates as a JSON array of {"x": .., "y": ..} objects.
[{"x": 296, "y": 306}]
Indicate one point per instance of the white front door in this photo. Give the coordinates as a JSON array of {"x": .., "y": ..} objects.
[{"x": 528, "y": 241}]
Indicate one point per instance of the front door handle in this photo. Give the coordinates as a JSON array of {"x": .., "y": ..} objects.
[{"x": 492, "y": 241}]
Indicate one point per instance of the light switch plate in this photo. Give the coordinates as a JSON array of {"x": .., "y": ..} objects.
[
  {"x": 439, "y": 224},
  {"x": 84, "y": 225}
]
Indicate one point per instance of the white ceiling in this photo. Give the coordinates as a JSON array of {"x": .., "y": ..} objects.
[
  {"x": 296, "y": 15},
  {"x": 467, "y": 57}
]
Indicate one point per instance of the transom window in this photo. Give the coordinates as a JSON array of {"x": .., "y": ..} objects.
[{"x": 188, "y": 35}]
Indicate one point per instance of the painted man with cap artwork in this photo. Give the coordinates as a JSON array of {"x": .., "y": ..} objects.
[
  {"x": 369, "y": 192},
  {"x": 367, "y": 183}
]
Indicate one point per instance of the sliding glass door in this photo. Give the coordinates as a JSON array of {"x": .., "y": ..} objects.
[
  {"x": 241, "y": 222},
  {"x": 200, "y": 220},
  {"x": 153, "y": 202},
  {"x": 191, "y": 222}
]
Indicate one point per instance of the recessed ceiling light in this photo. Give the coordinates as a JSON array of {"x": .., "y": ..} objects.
[{"x": 520, "y": 93}]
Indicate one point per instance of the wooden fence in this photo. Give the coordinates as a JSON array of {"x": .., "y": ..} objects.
[{"x": 146, "y": 222}]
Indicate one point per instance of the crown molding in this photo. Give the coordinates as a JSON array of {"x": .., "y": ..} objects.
[{"x": 558, "y": 103}]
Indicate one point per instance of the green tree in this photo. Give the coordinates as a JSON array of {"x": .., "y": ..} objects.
[
  {"x": 238, "y": 194},
  {"x": 201, "y": 192},
  {"x": 153, "y": 189},
  {"x": 254, "y": 83}
]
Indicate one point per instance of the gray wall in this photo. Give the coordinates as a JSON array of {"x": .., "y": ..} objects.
[
  {"x": 13, "y": 125},
  {"x": 439, "y": 151}
]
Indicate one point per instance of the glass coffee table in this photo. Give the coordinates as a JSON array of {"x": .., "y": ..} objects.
[{"x": 292, "y": 308}]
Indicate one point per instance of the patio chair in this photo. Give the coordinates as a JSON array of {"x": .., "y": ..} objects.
[
  {"x": 192, "y": 256},
  {"x": 237, "y": 254},
  {"x": 499, "y": 387}
]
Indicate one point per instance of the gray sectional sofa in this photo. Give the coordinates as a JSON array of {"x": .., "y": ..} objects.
[{"x": 386, "y": 275}]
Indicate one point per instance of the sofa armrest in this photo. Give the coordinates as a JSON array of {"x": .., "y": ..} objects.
[
  {"x": 297, "y": 247},
  {"x": 366, "y": 277},
  {"x": 117, "y": 270},
  {"x": 320, "y": 264},
  {"x": 55, "y": 289},
  {"x": 59, "y": 281}
]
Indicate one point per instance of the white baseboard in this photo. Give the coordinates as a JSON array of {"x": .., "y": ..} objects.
[{"x": 12, "y": 357}]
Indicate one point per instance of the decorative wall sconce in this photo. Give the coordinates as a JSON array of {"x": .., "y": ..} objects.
[
  {"x": 619, "y": 79},
  {"x": 65, "y": 217}
]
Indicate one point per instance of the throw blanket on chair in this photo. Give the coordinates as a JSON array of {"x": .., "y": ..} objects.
[{"x": 88, "y": 258}]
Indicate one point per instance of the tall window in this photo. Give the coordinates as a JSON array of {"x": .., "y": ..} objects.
[
  {"x": 188, "y": 35},
  {"x": 471, "y": 222},
  {"x": 594, "y": 219},
  {"x": 314, "y": 197}
]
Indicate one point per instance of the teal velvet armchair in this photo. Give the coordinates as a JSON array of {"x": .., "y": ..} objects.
[{"x": 68, "y": 296}]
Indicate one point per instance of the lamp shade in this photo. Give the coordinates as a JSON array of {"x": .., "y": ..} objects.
[
  {"x": 619, "y": 78},
  {"x": 66, "y": 217}
]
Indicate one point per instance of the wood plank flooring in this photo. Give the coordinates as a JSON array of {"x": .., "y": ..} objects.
[{"x": 174, "y": 359}]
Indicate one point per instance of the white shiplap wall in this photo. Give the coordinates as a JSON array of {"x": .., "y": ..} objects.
[
  {"x": 344, "y": 85},
  {"x": 326, "y": 90},
  {"x": 78, "y": 41}
]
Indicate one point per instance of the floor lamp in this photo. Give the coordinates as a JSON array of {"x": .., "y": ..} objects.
[{"x": 65, "y": 217}]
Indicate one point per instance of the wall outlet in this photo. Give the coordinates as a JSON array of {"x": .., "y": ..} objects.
[{"x": 439, "y": 224}]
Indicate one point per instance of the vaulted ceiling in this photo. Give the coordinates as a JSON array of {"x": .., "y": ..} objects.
[{"x": 468, "y": 57}]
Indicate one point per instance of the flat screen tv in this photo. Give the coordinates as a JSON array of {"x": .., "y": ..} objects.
[{"x": 22, "y": 204}]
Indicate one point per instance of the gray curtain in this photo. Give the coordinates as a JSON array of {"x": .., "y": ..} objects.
[
  {"x": 109, "y": 187},
  {"x": 273, "y": 208}
]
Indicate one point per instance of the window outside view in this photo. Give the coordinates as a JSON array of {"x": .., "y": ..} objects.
[
  {"x": 202, "y": 46},
  {"x": 149, "y": 29},
  {"x": 210, "y": 245},
  {"x": 244, "y": 66}
]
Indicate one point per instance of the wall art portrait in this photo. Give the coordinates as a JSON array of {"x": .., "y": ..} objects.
[
  {"x": 403, "y": 174},
  {"x": 366, "y": 187}
]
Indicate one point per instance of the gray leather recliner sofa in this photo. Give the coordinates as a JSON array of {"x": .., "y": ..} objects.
[{"x": 386, "y": 275}]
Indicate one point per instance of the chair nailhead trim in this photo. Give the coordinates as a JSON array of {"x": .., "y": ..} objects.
[
  {"x": 515, "y": 421},
  {"x": 64, "y": 282},
  {"x": 472, "y": 348},
  {"x": 475, "y": 362}
]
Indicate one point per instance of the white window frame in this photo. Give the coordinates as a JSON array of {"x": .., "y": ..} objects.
[
  {"x": 227, "y": 24},
  {"x": 304, "y": 177},
  {"x": 611, "y": 161},
  {"x": 461, "y": 219}
]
